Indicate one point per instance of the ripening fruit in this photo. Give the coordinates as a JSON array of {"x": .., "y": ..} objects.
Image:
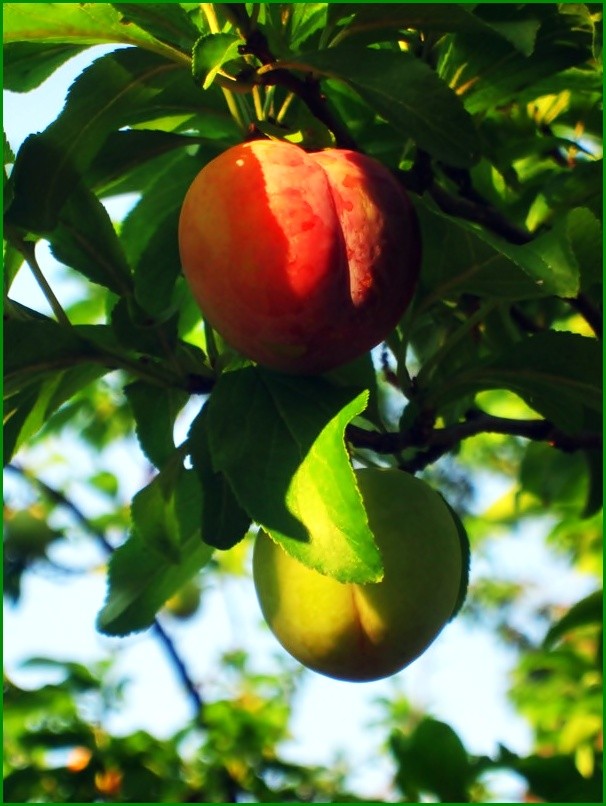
[
  {"x": 301, "y": 261},
  {"x": 366, "y": 632}
]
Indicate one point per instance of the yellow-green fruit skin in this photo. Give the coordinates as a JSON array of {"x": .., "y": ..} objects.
[{"x": 368, "y": 632}]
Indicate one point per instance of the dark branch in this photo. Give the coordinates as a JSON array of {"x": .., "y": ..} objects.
[
  {"x": 59, "y": 498},
  {"x": 442, "y": 440},
  {"x": 182, "y": 673},
  {"x": 481, "y": 213},
  {"x": 307, "y": 89}
]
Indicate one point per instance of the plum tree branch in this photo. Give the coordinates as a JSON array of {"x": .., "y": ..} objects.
[
  {"x": 60, "y": 499},
  {"x": 307, "y": 89},
  {"x": 440, "y": 441}
]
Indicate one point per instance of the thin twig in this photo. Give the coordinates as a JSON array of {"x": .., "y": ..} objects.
[
  {"x": 28, "y": 250},
  {"x": 60, "y": 499}
]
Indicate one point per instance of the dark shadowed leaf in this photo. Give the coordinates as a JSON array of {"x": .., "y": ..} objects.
[
  {"x": 459, "y": 258},
  {"x": 432, "y": 760},
  {"x": 586, "y": 612},
  {"x": 155, "y": 409},
  {"x": 519, "y": 27},
  {"x": 85, "y": 240},
  {"x": 223, "y": 521},
  {"x": 124, "y": 87},
  {"x": 27, "y": 64},
  {"x": 585, "y": 233},
  {"x": 558, "y": 374},
  {"x": 124, "y": 152},
  {"x": 407, "y": 94},
  {"x": 167, "y": 22},
  {"x": 29, "y": 409},
  {"x": 149, "y": 234},
  {"x": 489, "y": 71},
  {"x": 33, "y": 349},
  {"x": 556, "y": 778}
]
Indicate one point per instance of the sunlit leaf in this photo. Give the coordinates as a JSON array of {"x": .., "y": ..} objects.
[
  {"x": 288, "y": 467},
  {"x": 210, "y": 54}
]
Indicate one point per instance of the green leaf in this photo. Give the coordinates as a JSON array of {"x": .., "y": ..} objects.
[
  {"x": 136, "y": 330},
  {"x": 586, "y": 612},
  {"x": 519, "y": 25},
  {"x": 306, "y": 19},
  {"x": 224, "y": 522},
  {"x": 585, "y": 233},
  {"x": 155, "y": 409},
  {"x": 556, "y": 778},
  {"x": 34, "y": 349},
  {"x": 582, "y": 187},
  {"x": 74, "y": 23},
  {"x": 121, "y": 88},
  {"x": 407, "y": 94},
  {"x": 440, "y": 17},
  {"x": 12, "y": 262},
  {"x": 154, "y": 250},
  {"x": 167, "y": 22},
  {"x": 432, "y": 760},
  {"x": 288, "y": 467},
  {"x": 548, "y": 259},
  {"x": 45, "y": 364},
  {"x": 133, "y": 599},
  {"x": 26, "y": 65},
  {"x": 28, "y": 410},
  {"x": 595, "y": 495},
  {"x": 489, "y": 71},
  {"x": 126, "y": 154},
  {"x": 459, "y": 258},
  {"x": 153, "y": 509},
  {"x": 85, "y": 240},
  {"x": 210, "y": 54},
  {"x": 558, "y": 374},
  {"x": 559, "y": 480}
]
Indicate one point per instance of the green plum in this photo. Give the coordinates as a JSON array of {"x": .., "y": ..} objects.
[{"x": 366, "y": 632}]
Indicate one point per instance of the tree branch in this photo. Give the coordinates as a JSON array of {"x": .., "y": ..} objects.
[
  {"x": 442, "y": 440},
  {"x": 59, "y": 498}
]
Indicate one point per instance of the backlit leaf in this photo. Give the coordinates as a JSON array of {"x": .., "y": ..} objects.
[{"x": 287, "y": 465}]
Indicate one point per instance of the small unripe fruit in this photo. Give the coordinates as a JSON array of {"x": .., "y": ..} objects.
[
  {"x": 185, "y": 602},
  {"x": 301, "y": 261},
  {"x": 366, "y": 632}
]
